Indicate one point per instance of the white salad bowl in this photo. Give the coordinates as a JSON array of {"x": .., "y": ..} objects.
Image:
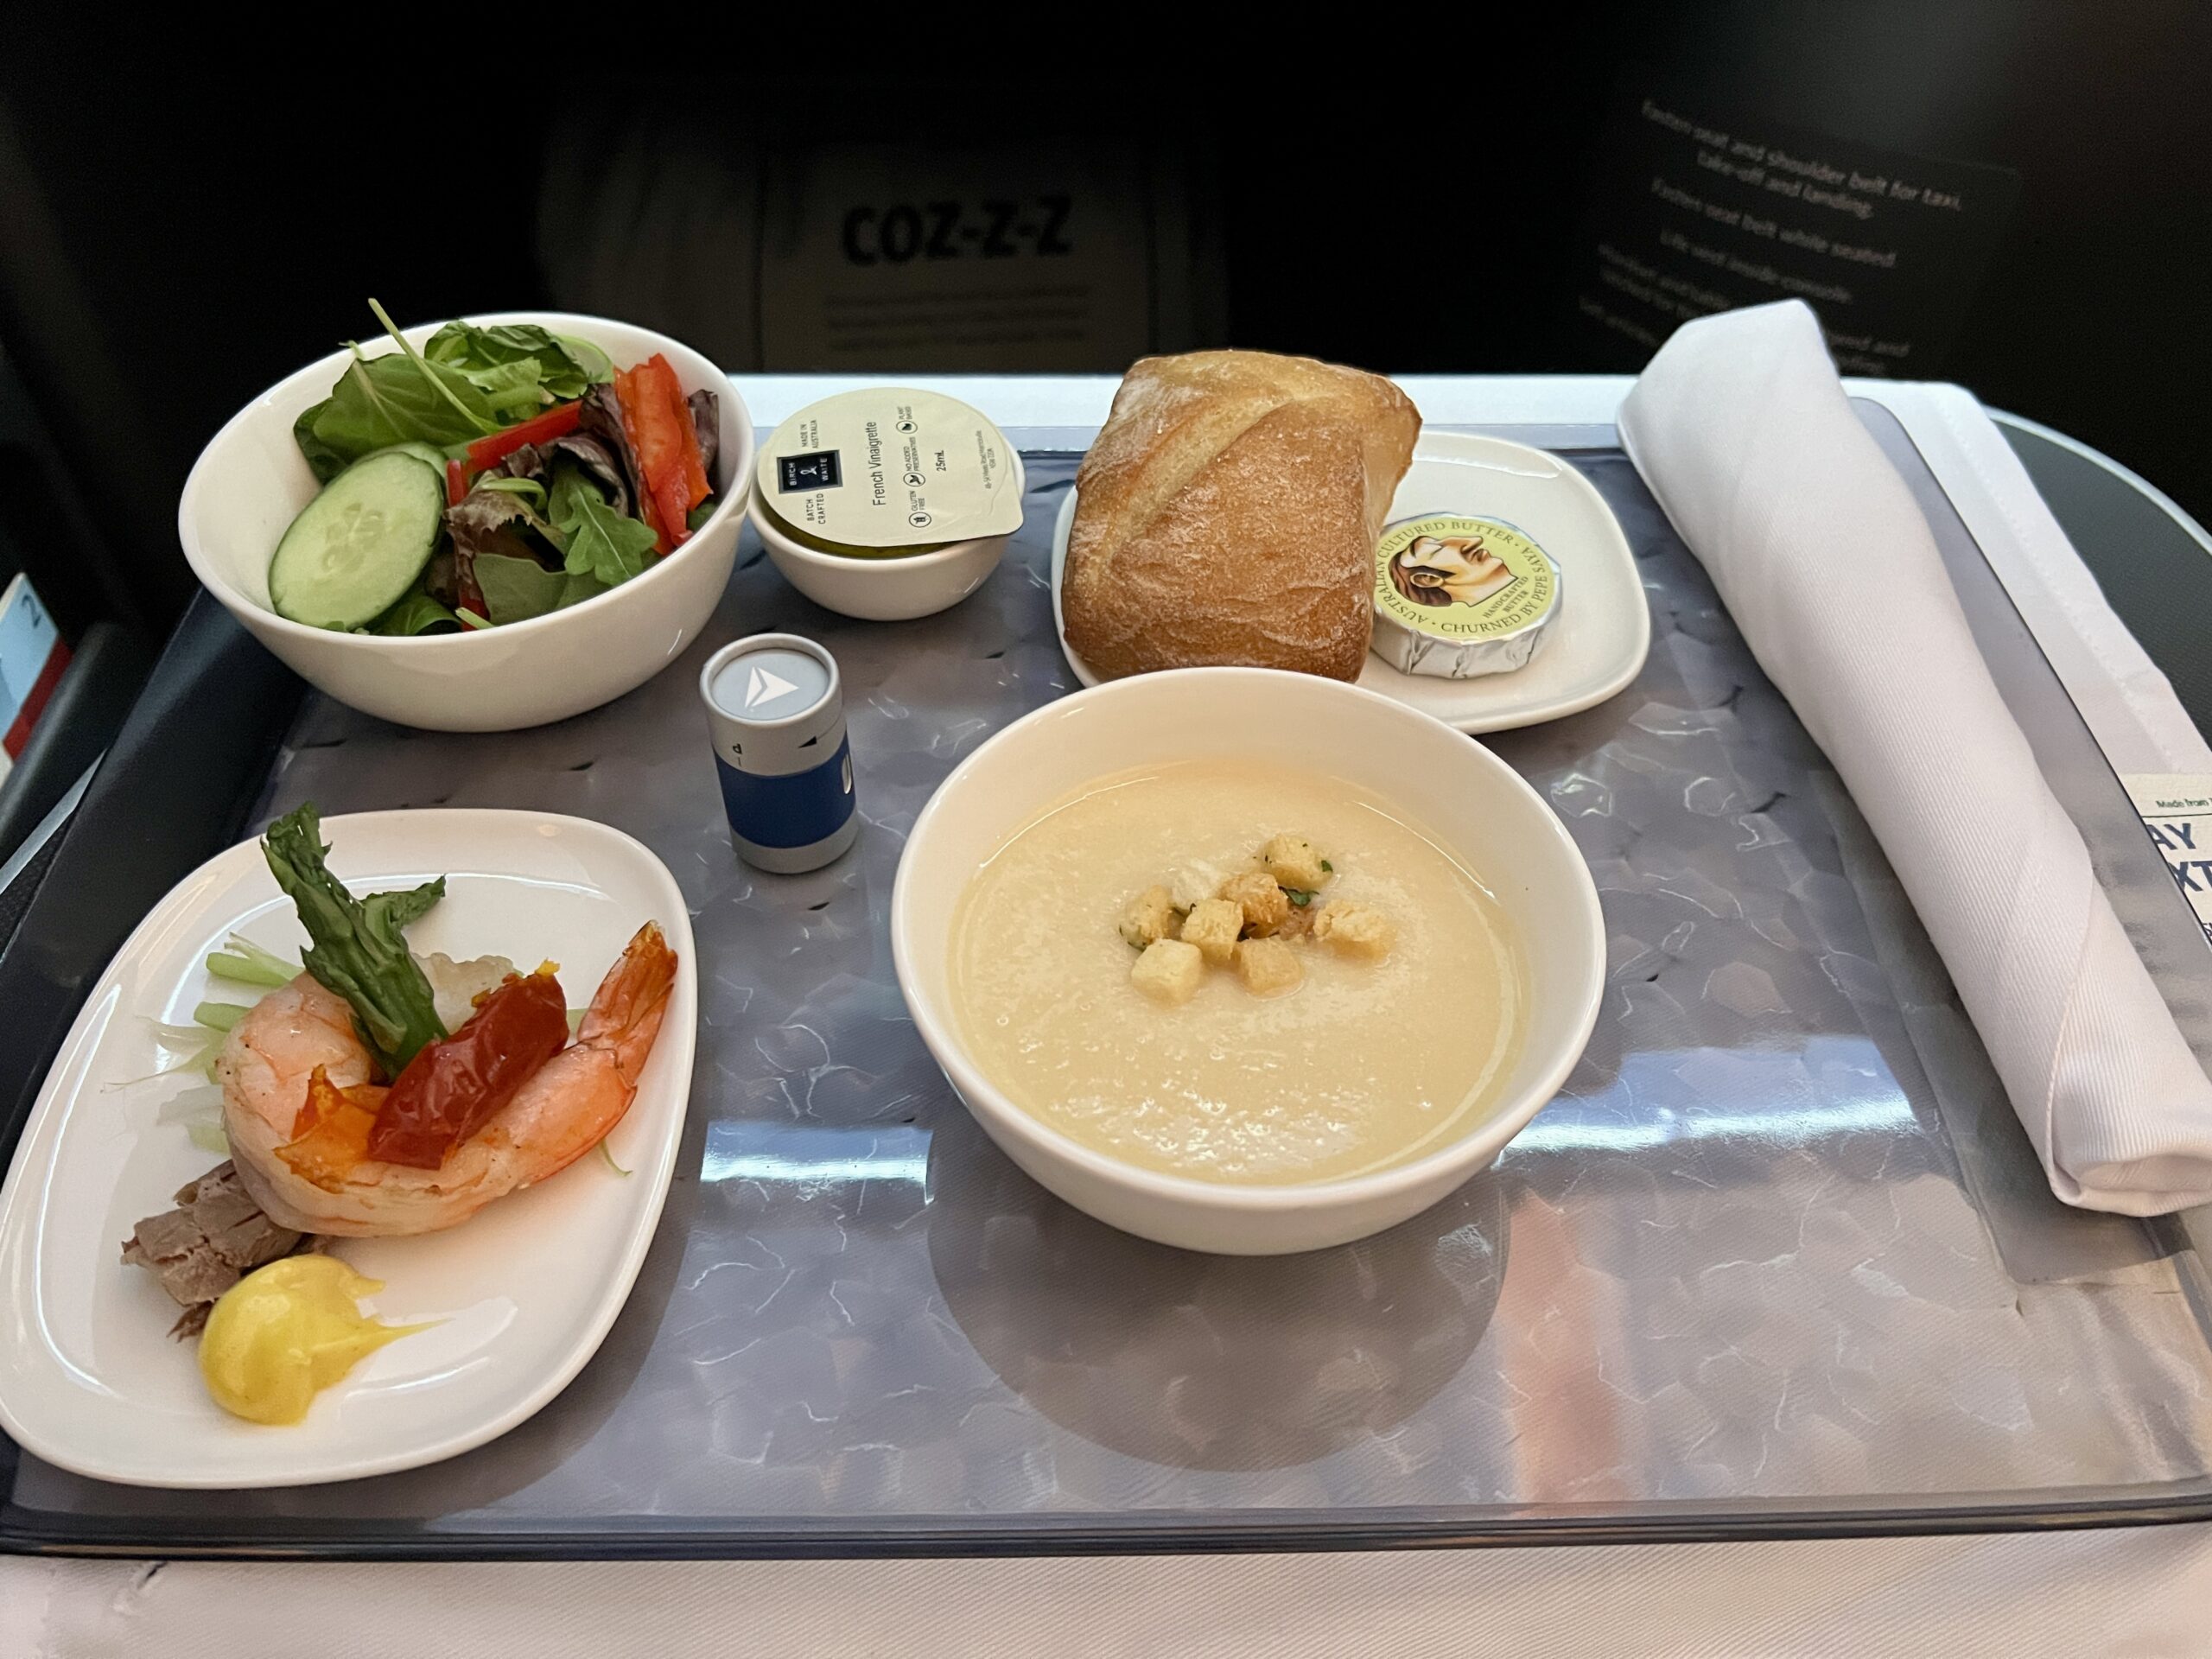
[
  {"x": 251, "y": 482},
  {"x": 885, "y": 590},
  {"x": 1473, "y": 803}
]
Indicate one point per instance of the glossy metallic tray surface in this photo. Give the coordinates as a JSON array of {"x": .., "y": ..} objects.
[{"x": 1778, "y": 1259}]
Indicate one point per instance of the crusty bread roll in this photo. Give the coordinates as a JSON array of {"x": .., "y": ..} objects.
[{"x": 1228, "y": 513}]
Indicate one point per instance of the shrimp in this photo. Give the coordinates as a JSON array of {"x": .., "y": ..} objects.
[{"x": 560, "y": 1113}]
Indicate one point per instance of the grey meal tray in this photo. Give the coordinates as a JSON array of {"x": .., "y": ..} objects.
[{"x": 1778, "y": 1261}]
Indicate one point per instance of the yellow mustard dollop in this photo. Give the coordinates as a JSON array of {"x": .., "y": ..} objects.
[{"x": 285, "y": 1333}]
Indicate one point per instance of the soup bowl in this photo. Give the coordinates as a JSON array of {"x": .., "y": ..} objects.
[
  {"x": 251, "y": 482},
  {"x": 1475, "y": 805}
]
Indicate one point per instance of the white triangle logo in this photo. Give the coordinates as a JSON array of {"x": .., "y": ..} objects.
[{"x": 764, "y": 685}]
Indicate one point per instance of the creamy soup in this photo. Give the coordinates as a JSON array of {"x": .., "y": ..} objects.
[{"x": 1366, "y": 1061}]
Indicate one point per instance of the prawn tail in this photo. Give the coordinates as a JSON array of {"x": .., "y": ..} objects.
[{"x": 628, "y": 1004}]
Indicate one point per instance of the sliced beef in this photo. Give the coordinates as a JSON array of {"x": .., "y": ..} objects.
[{"x": 214, "y": 1237}]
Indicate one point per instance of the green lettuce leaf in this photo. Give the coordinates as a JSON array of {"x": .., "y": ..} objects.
[
  {"x": 323, "y": 460},
  {"x": 555, "y": 365},
  {"x": 516, "y": 590},
  {"x": 416, "y": 613},
  {"x": 381, "y": 401}
]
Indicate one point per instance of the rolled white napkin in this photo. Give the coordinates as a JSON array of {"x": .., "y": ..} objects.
[{"x": 1744, "y": 433}]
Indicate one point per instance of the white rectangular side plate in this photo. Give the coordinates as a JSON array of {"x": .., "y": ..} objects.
[{"x": 522, "y": 1293}]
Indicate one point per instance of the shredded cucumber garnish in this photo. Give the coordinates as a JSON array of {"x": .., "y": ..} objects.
[
  {"x": 184, "y": 1048},
  {"x": 609, "y": 1156},
  {"x": 244, "y": 963},
  {"x": 204, "y": 1100},
  {"x": 200, "y": 1111}
]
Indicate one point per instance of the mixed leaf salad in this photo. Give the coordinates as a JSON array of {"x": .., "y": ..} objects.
[{"x": 493, "y": 474}]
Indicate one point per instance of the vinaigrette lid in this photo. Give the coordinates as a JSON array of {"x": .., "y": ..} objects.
[{"x": 890, "y": 467}]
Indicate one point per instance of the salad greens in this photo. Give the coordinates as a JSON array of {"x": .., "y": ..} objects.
[
  {"x": 464, "y": 384},
  {"x": 517, "y": 589},
  {"x": 601, "y": 543},
  {"x": 359, "y": 949},
  {"x": 507, "y": 354},
  {"x": 561, "y": 476}
]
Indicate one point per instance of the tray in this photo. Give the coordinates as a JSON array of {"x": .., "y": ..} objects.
[{"x": 1777, "y": 1262}]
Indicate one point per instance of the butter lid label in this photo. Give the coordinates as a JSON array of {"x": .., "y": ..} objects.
[
  {"x": 1460, "y": 578},
  {"x": 890, "y": 467}
]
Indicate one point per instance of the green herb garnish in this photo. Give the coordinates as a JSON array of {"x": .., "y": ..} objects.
[
  {"x": 358, "y": 950},
  {"x": 1299, "y": 896},
  {"x": 1330, "y": 868}
]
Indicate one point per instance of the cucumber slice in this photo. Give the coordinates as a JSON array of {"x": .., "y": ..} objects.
[
  {"x": 429, "y": 453},
  {"x": 358, "y": 546}
]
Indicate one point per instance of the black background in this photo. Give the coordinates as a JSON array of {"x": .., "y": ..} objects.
[{"x": 182, "y": 230}]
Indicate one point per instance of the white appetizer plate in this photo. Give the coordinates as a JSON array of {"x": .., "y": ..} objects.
[
  {"x": 1596, "y": 646},
  {"x": 89, "y": 1378}
]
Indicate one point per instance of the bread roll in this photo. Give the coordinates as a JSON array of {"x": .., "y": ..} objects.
[{"x": 1228, "y": 513}]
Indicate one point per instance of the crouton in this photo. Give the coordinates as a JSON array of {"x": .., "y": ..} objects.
[
  {"x": 1150, "y": 916},
  {"x": 1168, "y": 971},
  {"x": 1213, "y": 926},
  {"x": 1296, "y": 862},
  {"x": 1356, "y": 930},
  {"x": 1267, "y": 967},
  {"x": 1263, "y": 903}
]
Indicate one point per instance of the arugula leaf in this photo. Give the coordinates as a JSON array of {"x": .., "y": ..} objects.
[
  {"x": 604, "y": 543},
  {"x": 568, "y": 482},
  {"x": 516, "y": 590},
  {"x": 601, "y": 542},
  {"x": 358, "y": 952},
  {"x": 700, "y": 514}
]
